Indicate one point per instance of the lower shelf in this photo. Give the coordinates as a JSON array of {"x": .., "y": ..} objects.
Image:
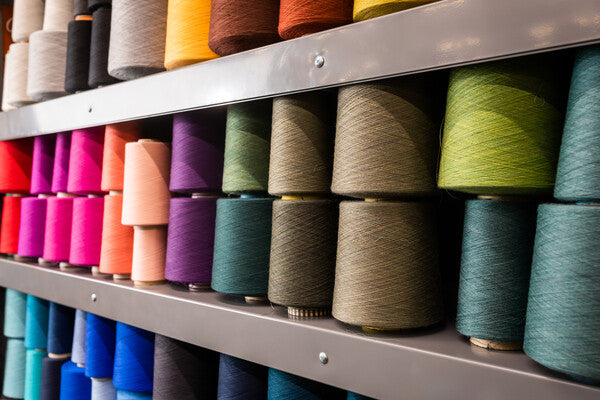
[{"x": 437, "y": 364}]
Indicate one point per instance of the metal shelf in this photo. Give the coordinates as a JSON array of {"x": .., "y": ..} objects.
[
  {"x": 437, "y": 364},
  {"x": 440, "y": 35}
]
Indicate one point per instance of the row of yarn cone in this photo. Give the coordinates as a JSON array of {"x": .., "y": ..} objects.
[
  {"x": 66, "y": 46},
  {"x": 54, "y": 352}
]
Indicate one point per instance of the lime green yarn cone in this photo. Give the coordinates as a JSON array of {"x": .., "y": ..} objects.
[{"x": 503, "y": 127}]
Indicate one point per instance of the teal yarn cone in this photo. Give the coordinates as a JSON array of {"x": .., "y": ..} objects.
[
  {"x": 563, "y": 310},
  {"x": 495, "y": 266},
  {"x": 14, "y": 369},
  {"x": 33, "y": 374},
  {"x": 242, "y": 246},
  {"x": 285, "y": 386},
  {"x": 36, "y": 323},
  {"x": 15, "y": 308},
  {"x": 578, "y": 175},
  {"x": 247, "y": 147}
]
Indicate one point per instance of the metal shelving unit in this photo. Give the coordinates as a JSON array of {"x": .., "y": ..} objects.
[
  {"x": 440, "y": 35},
  {"x": 422, "y": 365},
  {"x": 430, "y": 364}
]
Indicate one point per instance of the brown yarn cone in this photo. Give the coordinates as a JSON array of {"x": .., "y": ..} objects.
[
  {"x": 387, "y": 274},
  {"x": 387, "y": 139},
  {"x": 303, "y": 244},
  {"x": 301, "y": 144},
  {"x": 232, "y": 31}
]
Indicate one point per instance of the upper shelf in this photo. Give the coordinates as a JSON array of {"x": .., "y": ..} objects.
[
  {"x": 443, "y": 34},
  {"x": 424, "y": 365}
]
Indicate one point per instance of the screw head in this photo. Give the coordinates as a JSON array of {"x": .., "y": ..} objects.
[
  {"x": 94, "y": 297},
  {"x": 319, "y": 61},
  {"x": 323, "y": 358},
  {"x": 89, "y": 108}
]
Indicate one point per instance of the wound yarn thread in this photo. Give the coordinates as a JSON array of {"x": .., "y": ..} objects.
[
  {"x": 134, "y": 359},
  {"x": 11, "y": 222},
  {"x": 578, "y": 175},
  {"x": 47, "y": 65},
  {"x": 386, "y": 139},
  {"x": 242, "y": 246},
  {"x": 247, "y": 144},
  {"x": 50, "y": 380},
  {"x": 563, "y": 308},
  {"x": 28, "y": 17},
  {"x": 36, "y": 323},
  {"x": 241, "y": 380},
  {"x": 303, "y": 17},
  {"x": 60, "y": 172},
  {"x": 187, "y": 33},
  {"x": 190, "y": 240},
  {"x": 85, "y": 164},
  {"x": 302, "y": 261},
  {"x": 33, "y": 224},
  {"x": 502, "y": 127},
  {"x": 367, "y": 9},
  {"x": 57, "y": 15},
  {"x": 183, "y": 371},
  {"x": 73, "y": 382},
  {"x": 15, "y": 165},
  {"x": 57, "y": 234},
  {"x": 14, "y": 369},
  {"x": 285, "y": 386},
  {"x": 495, "y": 267},
  {"x": 15, "y": 308},
  {"x": 61, "y": 321},
  {"x": 116, "y": 254},
  {"x": 99, "y": 47},
  {"x": 42, "y": 164},
  {"x": 79, "y": 332},
  {"x": 116, "y": 136},
  {"x": 99, "y": 346},
  {"x": 137, "y": 38},
  {"x": 78, "y": 56},
  {"x": 103, "y": 390},
  {"x": 387, "y": 274},
  {"x": 198, "y": 145},
  {"x": 16, "y": 67},
  {"x": 232, "y": 31},
  {"x": 33, "y": 373},
  {"x": 86, "y": 231},
  {"x": 302, "y": 137}
]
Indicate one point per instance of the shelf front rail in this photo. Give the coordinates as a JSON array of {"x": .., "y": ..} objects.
[{"x": 424, "y": 365}]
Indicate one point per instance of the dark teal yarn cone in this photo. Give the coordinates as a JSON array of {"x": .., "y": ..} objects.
[
  {"x": 284, "y": 386},
  {"x": 356, "y": 396},
  {"x": 242, "y": 246},
  {"x": 578, "y": 174},
  {"x": 495, "y": 266},
  {"x": 563, "y": 312}
]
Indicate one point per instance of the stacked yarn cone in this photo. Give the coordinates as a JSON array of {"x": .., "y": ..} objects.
[
  {"x": 302, "y": 260},
  {"x": 387, "y": 275},
  {"x": 15, "y": 308},
  {"x": 146, "y": 207},
  {"x": 117, "y": 239},
  {"x": 48, "y": 52},
  {"x": 196, "y": 170}
]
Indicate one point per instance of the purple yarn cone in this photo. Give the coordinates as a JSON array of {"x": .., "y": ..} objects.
[
  {"x": 33, "y": 226},
  {"x": 42, "y": 164},
  {"x": 60, "y": 175},
  {"x": 198, "y": 146},
  {"x": 191, "y": 240}
]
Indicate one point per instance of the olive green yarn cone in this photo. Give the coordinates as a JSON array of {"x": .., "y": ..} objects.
[
  {"x": 503, "y": 127},
  {"x": 247, "y": 147}
]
